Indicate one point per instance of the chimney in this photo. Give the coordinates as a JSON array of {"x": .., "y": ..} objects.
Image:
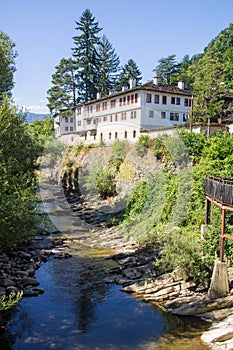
[
  {"x": 181, "y": 85},
  {"x": 132, "y": 83},
  {"x": 156, "y": 81},
  {"x": 124, "y": 88},
  {"x": 98, "y": 95}
]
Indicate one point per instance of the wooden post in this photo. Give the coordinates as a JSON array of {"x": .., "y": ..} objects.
[
  {"x": 207, "y": 211},
  {"x": 222, "y": 236}
]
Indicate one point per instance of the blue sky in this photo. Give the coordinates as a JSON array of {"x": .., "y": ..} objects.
[{"x": 144, "y": 30}]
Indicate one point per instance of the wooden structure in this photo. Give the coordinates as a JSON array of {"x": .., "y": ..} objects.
[{"x": 220, "y": 192}]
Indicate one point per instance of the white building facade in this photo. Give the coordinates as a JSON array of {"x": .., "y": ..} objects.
[{"x": 126, "y": 114}]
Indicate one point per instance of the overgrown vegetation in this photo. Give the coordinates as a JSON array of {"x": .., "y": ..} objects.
[{"x": 168, "y": 207}]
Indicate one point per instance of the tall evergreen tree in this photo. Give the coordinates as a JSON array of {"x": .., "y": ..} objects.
[
  {"x": 63, "y": 93},
  {"x": 108, "y": 66},
  {"x": 129, "y": 70},
  {"x": 166, "y": 70},
  {"x": 85, "y": 53},
  {"x": 7, "y": 64}
]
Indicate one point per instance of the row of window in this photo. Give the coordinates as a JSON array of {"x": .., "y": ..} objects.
[
  {"x": 69, "y": 129},
  {"x": 172, "y": 116},
  {"x": 67, "y": 120},
  {"x": 126, "y": 100},
  {"x": 117, "y": 117},
  {"x": 115, "y": 135},
  {"x": 164, "y": 98}
]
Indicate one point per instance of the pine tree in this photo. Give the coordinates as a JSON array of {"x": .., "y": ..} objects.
[
  {"x": 166, "y": 70},
  {"x": 129, "y": 70},
  {"x": 7, "y": 64},
  {"x": 63, "y": 93},
  {"x": 85, "y": 54},
  {"x": 108, "y": 66}
]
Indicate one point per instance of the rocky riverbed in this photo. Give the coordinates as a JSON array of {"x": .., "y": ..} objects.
[{"x": 133, "y": 268}]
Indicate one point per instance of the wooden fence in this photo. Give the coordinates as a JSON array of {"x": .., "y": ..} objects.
[{"x": 220, "y": 189}]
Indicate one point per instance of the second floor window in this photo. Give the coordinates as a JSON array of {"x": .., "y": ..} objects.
[
  {"x": 164, "y": 100},
  {"x": 148, "y": 98},
  {"x": 156, "y": 99},
  {"x": 151, "y": 114}
]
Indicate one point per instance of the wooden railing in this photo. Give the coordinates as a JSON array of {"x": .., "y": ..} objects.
[{"x": 219, "y": 189}]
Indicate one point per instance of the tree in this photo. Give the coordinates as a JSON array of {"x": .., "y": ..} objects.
[
  {"x": 7, "y": 64},
  {"x": 108, "y": 66},
  {"x": 17, "y": 212},
  {"x": 166, "y": 70},
  {"x": 129, "y": 70},
  {"x": 86, "y": 56},
  {"x": 63, "y": 93}
]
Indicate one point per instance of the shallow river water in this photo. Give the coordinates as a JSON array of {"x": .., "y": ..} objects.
[{"x": 79, "y": 311}]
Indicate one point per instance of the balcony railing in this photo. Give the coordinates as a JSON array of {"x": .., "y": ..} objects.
[{"x": 219, "y": 189}]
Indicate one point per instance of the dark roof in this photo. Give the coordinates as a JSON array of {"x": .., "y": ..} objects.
[{"x": 166, "y": 89}]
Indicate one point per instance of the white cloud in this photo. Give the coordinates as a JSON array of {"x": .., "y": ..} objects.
[{"x": 39, "y": 109}]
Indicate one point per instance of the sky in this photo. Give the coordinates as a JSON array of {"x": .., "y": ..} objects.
[{"x": 144, "y": 30}]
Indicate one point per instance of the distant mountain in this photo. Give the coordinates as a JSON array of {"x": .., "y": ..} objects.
[{"x": 30, "y": 117}]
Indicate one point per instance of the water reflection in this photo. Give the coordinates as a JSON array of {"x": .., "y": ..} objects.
[{"x": 79, "y": 311}]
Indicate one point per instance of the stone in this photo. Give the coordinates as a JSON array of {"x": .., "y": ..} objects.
[
  {"x": 28, "y": 281},
  {"x": 220, "y": 335},
  {"x": 7, "y": 282}
]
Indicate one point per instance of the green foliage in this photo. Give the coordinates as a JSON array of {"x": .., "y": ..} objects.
[
  {"x": 7, "y": 64},
  {"x": 129, "y": 70},
  {"x": 86, "y": 55},
  {"x": 80, "y": 147},
  {"x": 105, "y": 183},
  {"x": 166, "y": 70},
  {"x": 183, "y": 248},
  {"x": 40, "y": 131},
  {"x": 17, "y": 182},
  {"x": 6, "y": 302},
  {"x": 108, "y": 66},
  {"x": 63, "y": 93},
  {"x": 142, "y": 145}
]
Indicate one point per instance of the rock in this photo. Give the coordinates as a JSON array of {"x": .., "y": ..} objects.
[
  {"x": 7, "y": 282},
  {"x": 28, "y": 281},
  {"x": 220, "y": 335},
  {"x": 203, "y": 306}
]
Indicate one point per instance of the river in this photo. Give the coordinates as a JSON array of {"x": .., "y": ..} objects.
[{"x": 79, "y": 311}]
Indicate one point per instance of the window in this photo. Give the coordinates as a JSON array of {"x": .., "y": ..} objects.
[
  {"x": 174, "y": 116},
  {"x": 116, "y": 135},
  {"x": 71, "y": 119},
  {"x": 88, "y": 121},
  {"x": 66, "y": 119},
  {"x": 115, "y": 117},
  {"x": 124, "y": 101},
  {"x": 134, "y": 134},
  {"x": 163, "y": 115},
  {"x": 98, "y": 107},
  {"x": 185, "y": 117},
  {"x": 148, "y": 98},
  {"x": 128, "y": 100},
  {"x": 173, "y": 100},
  {"x": 132, "y": 98},
  {"x": 79, "y": 122},
  {"x": 156, "y": 99},
  {"x": 66, "y": 128},
  {"x": 110, "y": 136},
  {"x": 71, "y": 128},
  {"x": 120, "y": 101},
  {"x": 104, "y": 105},
  {"x": 113, "y": 103},
  {"x": 110, "y": 118},
  {"x": 125, "y": 134},
  {"x": 151, "y": 114},
  {"x": 188, "y": 102},
  {"x": 131, "y": 115},
  {"x": 123, "y": 116},
  {"x": 105, "y": 118},
  {"x": 135, "y": 114},
  {"x": 136, "y": 98},
  {"x": 79, "y": 111},
  {"x": 164, "y": 100},
  {"x": 177, "y": 100}
]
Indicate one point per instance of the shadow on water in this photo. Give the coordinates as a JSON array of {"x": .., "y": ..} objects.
[{"x": 79, "y": 311}]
